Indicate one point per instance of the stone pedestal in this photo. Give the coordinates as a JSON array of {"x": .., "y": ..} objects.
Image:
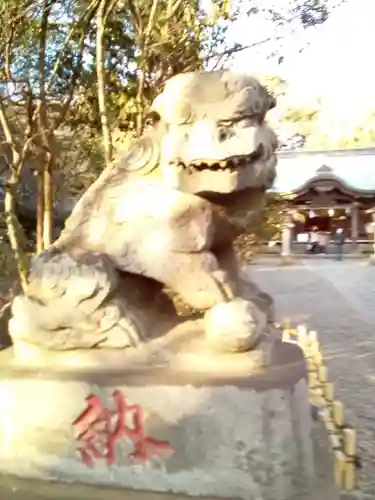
[{"x": 175, "y": 418}]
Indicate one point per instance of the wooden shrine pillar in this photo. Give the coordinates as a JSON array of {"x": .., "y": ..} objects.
[{"x": 354, "y": 229}]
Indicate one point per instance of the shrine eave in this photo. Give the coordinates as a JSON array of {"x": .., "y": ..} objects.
[{"x": 351, "y": 170}]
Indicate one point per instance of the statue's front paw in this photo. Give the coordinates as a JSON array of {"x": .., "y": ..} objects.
[{"x": 234, "y": 326}]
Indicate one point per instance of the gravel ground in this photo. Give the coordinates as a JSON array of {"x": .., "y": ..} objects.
[{"x": 338, "y": 300}]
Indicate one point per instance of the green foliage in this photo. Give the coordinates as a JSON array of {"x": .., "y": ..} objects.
[
  {"x": 266, "y": 228},
  {"x": 300, "y": 115},
  {"x": 314, "y": 125},
  {"x": 181, "y": 36}
]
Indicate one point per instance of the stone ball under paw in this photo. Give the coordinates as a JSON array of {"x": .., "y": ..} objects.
[{"x": 234, "y": 326}]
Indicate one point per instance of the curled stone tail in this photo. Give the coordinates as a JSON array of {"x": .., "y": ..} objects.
[{"x": 73, "y": 301}]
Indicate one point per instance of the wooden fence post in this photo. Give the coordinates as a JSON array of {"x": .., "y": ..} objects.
[
  {"x": 342, "y": 439},
  {"x": 349, "y": 438}
]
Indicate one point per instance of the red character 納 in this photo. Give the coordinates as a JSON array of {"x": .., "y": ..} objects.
[{"x": 98, "y": 430}]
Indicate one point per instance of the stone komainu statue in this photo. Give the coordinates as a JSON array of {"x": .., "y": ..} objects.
[{"x": 161, "y": 220}]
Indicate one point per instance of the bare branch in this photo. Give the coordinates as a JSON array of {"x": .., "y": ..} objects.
[
  {"x": 10, "y": 30},
  {"x": 42, "y": 115},
  {"x": 76, "y": 71},
  {"x": 4, "y": 307},
  {"x": 150, "y": 24},
  {"x": 234, "y": 50},
  {"x": 6, "y": 128},
  {"x": 136, "y": 15},
  {"x": 172, "y": 9},
  {"x": 144, "y": 45},
  {"x": 89, "y": 12},
  {"x": 8, "y": 53},
  {"x": 109, "y": 10}
]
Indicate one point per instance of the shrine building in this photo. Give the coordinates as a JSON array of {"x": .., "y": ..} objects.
[{"x": 327, "y": 190}]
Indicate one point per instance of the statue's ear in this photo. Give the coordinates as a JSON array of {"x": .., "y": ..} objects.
[
  {"x": 142, "y": 157},
  {"x": 151, "y": 119}
]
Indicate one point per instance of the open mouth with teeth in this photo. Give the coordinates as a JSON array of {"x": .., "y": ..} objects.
[
  {"x": 223, "y": 176},
  {"x": 230, "y": 164}
]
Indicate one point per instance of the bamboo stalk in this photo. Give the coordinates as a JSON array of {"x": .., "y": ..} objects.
[
  {"x": 310, "y": 342},
  {"x": 322, "y": 392},
  {"x": 310, "y": 365},
  {"x": 335, "y": 441},
  {"x": 329, "y": 392},
  {"x": 329, "y": 395},
  {"x": 333, "y": 437},
  {"x": 318, "y": 356},
  {"x": 301, "y": 331},
  {"x": 350, "y": 445},
  {"x": 339, "y": 468},
  {"x": 328, "y": 424},
  {"x": 323, "y": 374},
  {"x": 313, "y": 348},
  {"x": 313, "y": 336},
  {"x": 302, "y": 338},
  {"x": 312, "y": 379},
  {"x": 350, "y": 442},
  {"x": 338, "y": 413},
  {"x": 286, "y": 335}
]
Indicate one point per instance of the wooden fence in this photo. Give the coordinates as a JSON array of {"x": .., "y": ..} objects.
[{"x": 330, "y": 411}]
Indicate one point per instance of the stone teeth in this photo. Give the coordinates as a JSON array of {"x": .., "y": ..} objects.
[{"x": 231, "y": 164}]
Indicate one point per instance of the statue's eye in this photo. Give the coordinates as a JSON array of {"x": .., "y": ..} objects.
[{"x": 152, "y": 119}]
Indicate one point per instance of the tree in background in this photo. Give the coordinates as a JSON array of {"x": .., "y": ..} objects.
[
  {"x": 319, "y": 128},
  {"x": 266, "y": 229},
  {"x": 38, "y": 79},
  {"x": 76, "y": 77}
]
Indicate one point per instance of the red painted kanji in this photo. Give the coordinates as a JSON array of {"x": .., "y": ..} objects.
[{"x": 98, "y": 429}]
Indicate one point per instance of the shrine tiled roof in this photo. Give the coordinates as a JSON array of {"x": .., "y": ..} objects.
[{"x": 355, "y": 168}]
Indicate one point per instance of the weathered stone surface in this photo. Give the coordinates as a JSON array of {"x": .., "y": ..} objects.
[
  {"x": 109, "y": 384},
  {"x": 234, "y": 326},
  {"x": 183, "y": 345},
  {"x": 227, "y": 434},
  {"x": 164, "y": 216}
]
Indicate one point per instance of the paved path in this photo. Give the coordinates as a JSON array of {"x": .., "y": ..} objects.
[{"x": 337, "y": 300}]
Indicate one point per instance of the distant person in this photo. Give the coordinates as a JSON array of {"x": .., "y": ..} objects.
[
  {"x": 339, "y": 240},
  {"x": 313, "y": 246}
]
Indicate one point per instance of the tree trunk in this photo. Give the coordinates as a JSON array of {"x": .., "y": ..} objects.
[
  {"x": 44, "y": 187},
  {"x": 140, "y": 102},
  {"x": 100, "y": 71},
  {"x": 13, "y": 229},
  {"x": 39, "y": 212},
  {"x": 48, "y": 202}
]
